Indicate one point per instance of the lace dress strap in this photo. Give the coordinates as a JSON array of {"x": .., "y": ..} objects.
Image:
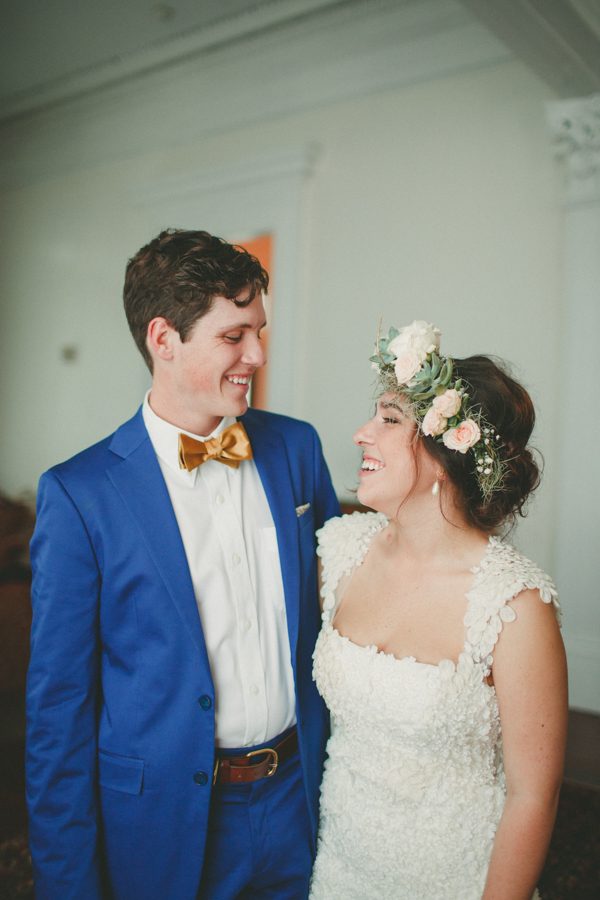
[
  {"x": 342, "y": 545},
  {"x": 502, "y": 574}
]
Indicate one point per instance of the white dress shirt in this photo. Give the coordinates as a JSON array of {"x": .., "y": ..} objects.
[{"x": 231, "y": 548}]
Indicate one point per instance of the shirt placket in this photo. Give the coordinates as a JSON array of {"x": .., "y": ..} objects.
[{"x": 225, "y": 491}]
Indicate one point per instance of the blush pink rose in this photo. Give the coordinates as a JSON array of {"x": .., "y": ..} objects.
[
  {"x": 463, "y": 437},
  {"x": 448, "y": 403},
  {"x": 406, "y": 366},
  {"x": 434, "y": 422}
]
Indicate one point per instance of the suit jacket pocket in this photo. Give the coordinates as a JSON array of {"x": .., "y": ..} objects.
[{"x": 120, "y": 773}]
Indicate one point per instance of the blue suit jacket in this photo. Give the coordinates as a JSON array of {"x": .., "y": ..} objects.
[{"x": 118, "y": 746}]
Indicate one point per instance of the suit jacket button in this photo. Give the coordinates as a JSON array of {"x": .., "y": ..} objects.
[
  {"x": 201, "y": 778},
  {"x": 205, "y": 701}
]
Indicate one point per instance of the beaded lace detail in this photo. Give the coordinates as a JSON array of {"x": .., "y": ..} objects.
[{"x": 414, "y": 784}]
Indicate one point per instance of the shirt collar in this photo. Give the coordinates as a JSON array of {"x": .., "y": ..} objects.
[{"x": 165, "y": 437}]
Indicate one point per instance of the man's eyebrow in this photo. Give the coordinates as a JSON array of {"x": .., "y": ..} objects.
[{"x": 243, "y": 325}]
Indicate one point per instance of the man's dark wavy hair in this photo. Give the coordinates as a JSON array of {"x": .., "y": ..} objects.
[{"x": 178, "y": 275}]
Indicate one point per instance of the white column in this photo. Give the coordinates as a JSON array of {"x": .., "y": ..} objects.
[{"x": 575, "y": 126}]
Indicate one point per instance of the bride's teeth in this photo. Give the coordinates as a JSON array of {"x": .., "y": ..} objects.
[
  {"x": 370, "y": 466},
  {"x": 234, "y": 379}
]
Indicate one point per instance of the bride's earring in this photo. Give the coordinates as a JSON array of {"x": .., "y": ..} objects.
[{"x": 436, "y": 488}]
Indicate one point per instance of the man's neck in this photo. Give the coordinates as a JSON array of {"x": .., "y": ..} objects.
[{"x": 175, "y": 414}]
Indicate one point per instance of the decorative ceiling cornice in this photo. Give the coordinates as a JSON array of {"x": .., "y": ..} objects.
[{"x": 575, "y": 127}]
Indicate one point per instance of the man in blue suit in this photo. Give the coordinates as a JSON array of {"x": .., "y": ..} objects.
[{"x": 175, "y": 737}]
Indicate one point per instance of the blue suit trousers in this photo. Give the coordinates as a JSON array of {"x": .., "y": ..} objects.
[{"x": 258, "y": 841}]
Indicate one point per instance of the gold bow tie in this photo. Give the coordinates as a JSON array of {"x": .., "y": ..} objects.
[{"x": 229, "y": 447}]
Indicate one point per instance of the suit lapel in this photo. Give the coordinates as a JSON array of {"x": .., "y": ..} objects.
[
  {"x": 139, "y": 481},
  {"x": 272, "y": 463}
]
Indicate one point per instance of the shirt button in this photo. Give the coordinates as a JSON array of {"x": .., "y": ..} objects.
[
  {"x": 253, "y": 690},
  {"x": 246, "y": 624},
  {"x": 219, "y": 500},
  {"x": 205, "y": 701},
  {"x": 235, "y": 559},
  {"x": 201, "y": 778}
]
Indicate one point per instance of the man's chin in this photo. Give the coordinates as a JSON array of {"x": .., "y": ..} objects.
[{"x": 237, "y": 409}]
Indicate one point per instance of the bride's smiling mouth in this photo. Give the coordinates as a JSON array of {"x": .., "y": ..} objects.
[{"x": 370, "y": 465}]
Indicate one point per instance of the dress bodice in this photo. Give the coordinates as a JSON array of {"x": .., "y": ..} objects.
[{"x": 415, "y": 748}]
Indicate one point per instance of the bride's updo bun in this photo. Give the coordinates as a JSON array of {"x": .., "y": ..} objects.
[{"x": 507, "y": 406}]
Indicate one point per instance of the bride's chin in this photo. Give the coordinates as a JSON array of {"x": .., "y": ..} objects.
[{"x": 364, "y": 499}]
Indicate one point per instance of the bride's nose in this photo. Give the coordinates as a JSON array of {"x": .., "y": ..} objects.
[{"x": 363, "y": 434}]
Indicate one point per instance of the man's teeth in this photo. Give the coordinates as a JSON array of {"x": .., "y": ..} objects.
[
  {"x": 238, "y": 379},
  {"x": 370, "y": 465}
]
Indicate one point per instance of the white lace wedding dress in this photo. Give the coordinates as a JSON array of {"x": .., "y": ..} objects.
[{"x": 414, "y": 786}]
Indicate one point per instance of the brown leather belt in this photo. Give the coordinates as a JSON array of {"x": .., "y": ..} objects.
[{"x": 244, "y": 769}]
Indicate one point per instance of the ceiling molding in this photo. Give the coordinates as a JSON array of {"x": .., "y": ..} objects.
[
  {"x": 558, "y": 39},
  {"x": 261, "y": 17},
  {"x": 290, "y": 163},
  {"x": 355, "y": 50}
]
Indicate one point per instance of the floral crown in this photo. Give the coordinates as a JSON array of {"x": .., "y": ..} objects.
[{"x": 409, "y": 362}]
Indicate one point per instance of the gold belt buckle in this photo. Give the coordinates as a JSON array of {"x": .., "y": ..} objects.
[{"x": 274, "y": 761}]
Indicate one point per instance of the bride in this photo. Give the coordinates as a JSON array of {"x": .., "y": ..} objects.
[{"x": 440, "y": 656}]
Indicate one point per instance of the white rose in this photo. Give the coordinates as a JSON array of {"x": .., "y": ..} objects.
[
  {"x": 407, "y": 365},
  {"x": 420, "y": 336}
]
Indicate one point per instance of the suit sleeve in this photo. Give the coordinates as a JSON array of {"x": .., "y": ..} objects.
[
  {"x": 61, "y": 701},
  {"x": 326, "y": 502}
]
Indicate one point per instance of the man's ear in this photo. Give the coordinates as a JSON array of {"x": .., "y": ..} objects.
[{"x": 160, "y": 338}]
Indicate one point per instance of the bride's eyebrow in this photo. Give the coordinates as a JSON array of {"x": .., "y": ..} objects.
[{"x": 391, "y": 404}]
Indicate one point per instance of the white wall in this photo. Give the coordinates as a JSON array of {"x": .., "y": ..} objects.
[{"x": 432, "y": 198}]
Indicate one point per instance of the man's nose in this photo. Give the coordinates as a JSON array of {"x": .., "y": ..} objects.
[{"x": 254, "y": 352}]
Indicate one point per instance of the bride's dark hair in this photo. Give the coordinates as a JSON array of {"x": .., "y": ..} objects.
[{"x": 507, "y": 406}]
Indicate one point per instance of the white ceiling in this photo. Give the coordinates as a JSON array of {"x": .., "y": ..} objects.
[
  {"x": 49, "y": 41},
  {"x": 51, "y": 50}
]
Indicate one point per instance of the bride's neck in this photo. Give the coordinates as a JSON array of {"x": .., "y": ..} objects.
[{"x": 430, "y": 537}]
